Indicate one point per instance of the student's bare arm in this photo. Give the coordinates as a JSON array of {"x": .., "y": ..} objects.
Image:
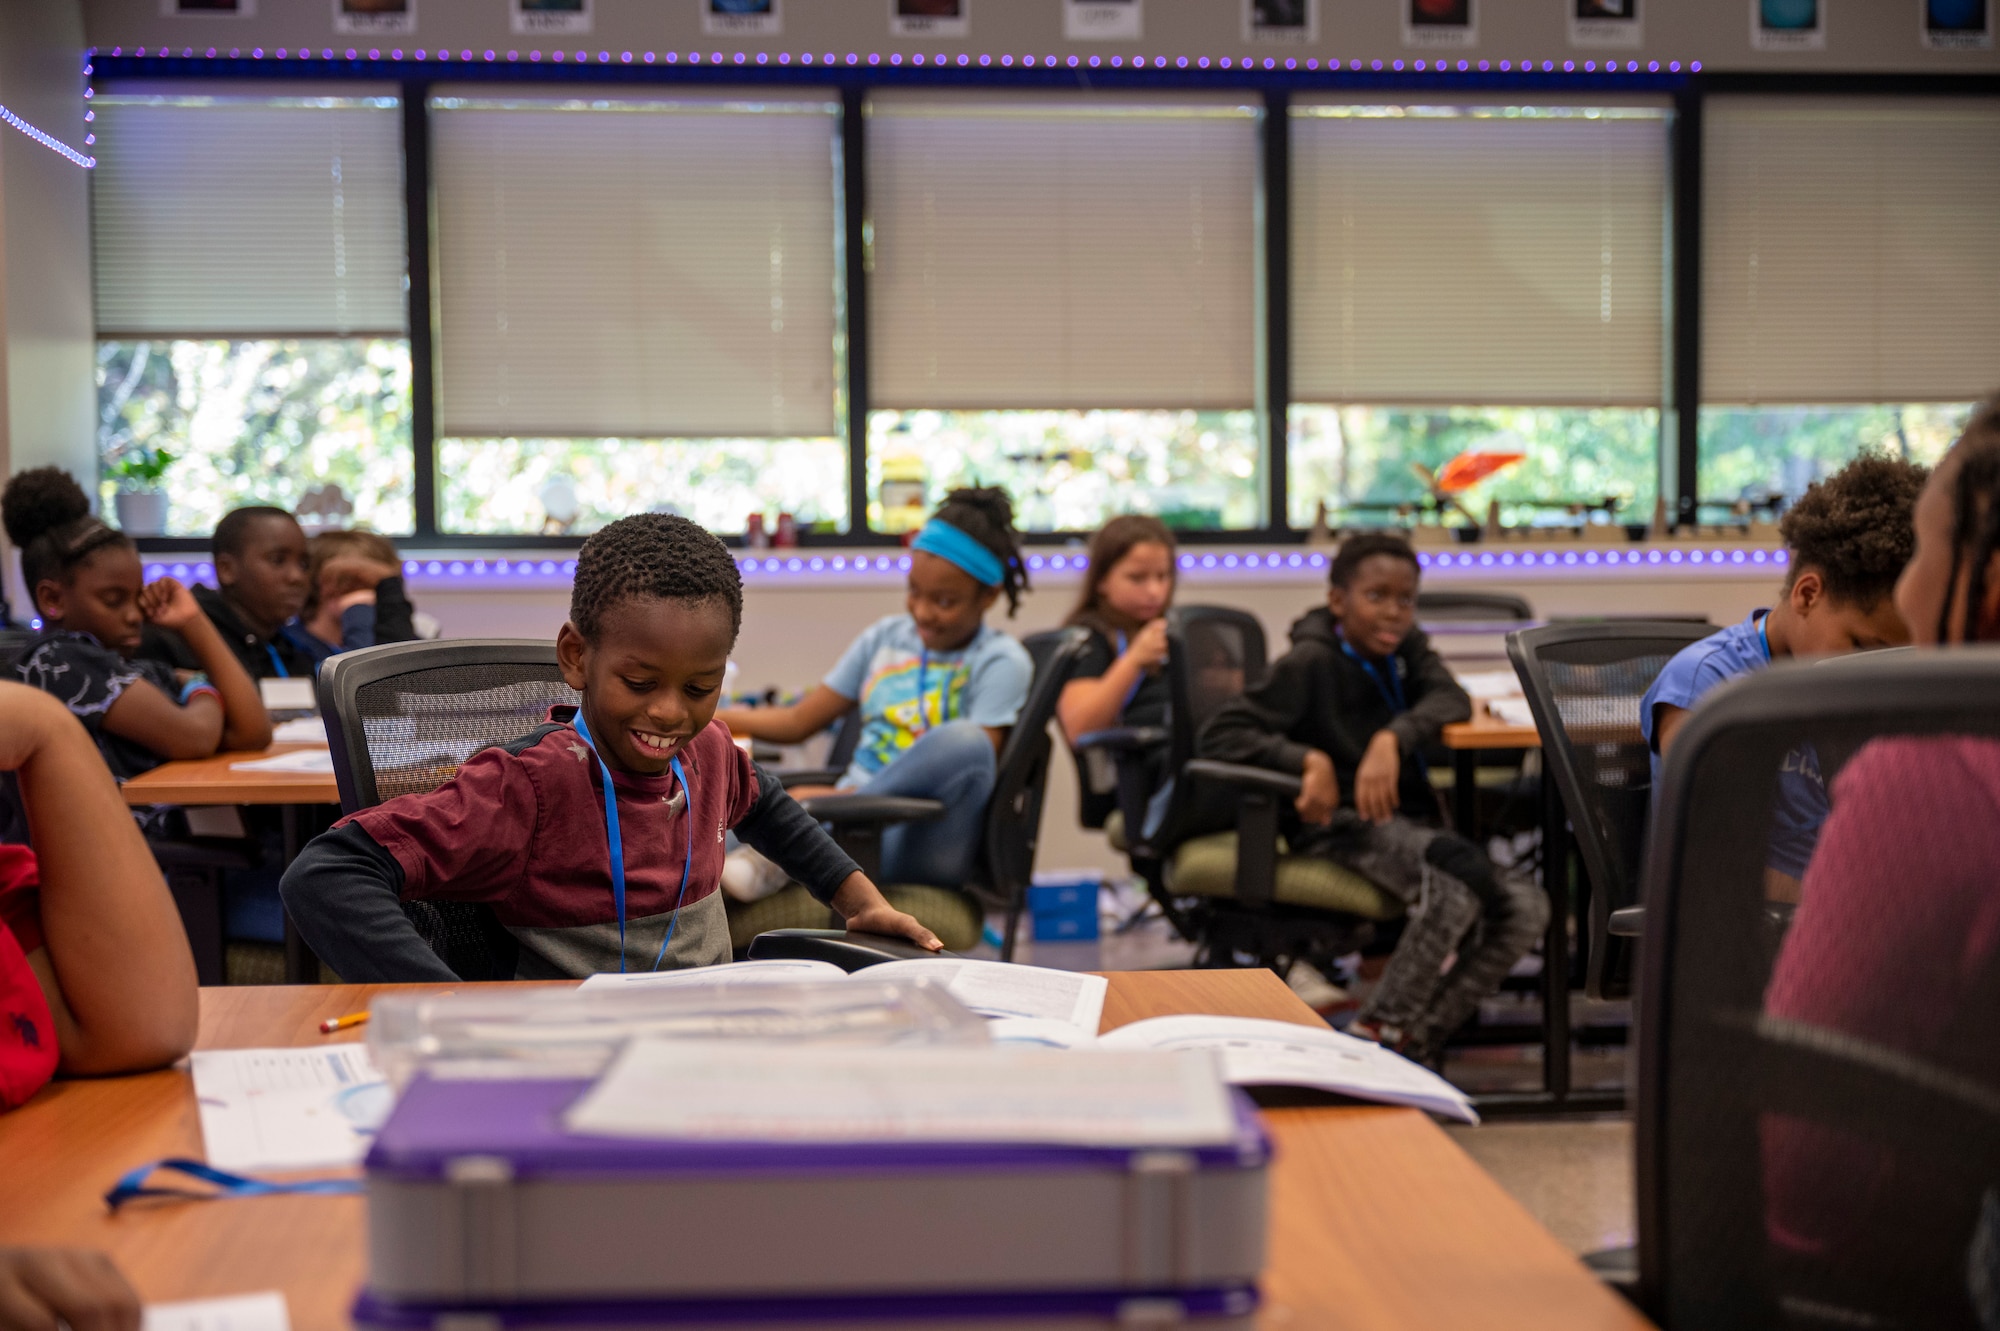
[
  {"x": 43, "y": 1289},
  {"x": 1094, "y": 704},
  {"x": 1667, "y": 720},
  {"x": 145, "y": 715},
  {"x": 787, "y": 725},
  {"x": 245, "y": 723},
  {"x": 115, "y": 965}
]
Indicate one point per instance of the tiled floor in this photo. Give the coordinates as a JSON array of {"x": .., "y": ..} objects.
[{"x": 1573, "y": 1175}]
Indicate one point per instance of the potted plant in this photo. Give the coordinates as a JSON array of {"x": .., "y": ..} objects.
[{"x": 141, "y": 503}]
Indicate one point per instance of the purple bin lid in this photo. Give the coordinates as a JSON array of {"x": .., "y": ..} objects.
[
  {"x": 873, "y": 1309},
  {"x": 521, "y": 1122}
]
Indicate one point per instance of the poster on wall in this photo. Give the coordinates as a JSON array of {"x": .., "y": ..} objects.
[
  {"x": 1600, "y": 23},
  {"x": 1788, "y": 25},
  {"x": 930, "y": 18},
  {"x": 371, "y": 18},
  {"x": 1957, "y": 25},
  {"x": 1293, "y": 22},
  {"x": 1094, "y": 20},
  {"x": 1433, "y": 23},
  {"x": 208, "y": 8},
  {"x": 742, "y": 18},
  {"x": 533, "y": 18}
]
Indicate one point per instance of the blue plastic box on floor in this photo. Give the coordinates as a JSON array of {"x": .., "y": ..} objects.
[{"x": 1063, "y": 906}]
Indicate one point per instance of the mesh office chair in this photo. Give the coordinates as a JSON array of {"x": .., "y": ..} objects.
[
  {"x": 1818, "y": 1134},
  {"x": 402, "y": 717},
  {"x": 1584, "y": 683},
  {"x": 1230, "y": 892}
]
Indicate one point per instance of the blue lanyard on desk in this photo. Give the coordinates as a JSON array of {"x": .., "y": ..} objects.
[
  {"x": 1391, "y": 689},
  {"x": 617, "y": 840},
  {"x": 132, "y": 1185}
]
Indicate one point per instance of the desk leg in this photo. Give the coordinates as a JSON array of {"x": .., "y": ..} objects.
[
  {"x": 1555, "y": 945},
  {"x": 301, "y": 966},
  {"x": 1465, "y": 792}
]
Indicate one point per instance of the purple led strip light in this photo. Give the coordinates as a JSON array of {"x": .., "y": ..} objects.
[
  {"x": 51, "y": 142},
  {"x": 831, "y": 567},
  {"x": 809, "y": 59}
]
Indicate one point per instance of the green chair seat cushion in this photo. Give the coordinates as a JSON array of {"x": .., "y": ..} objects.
[
  {"x": 953, "y": 916},
  {"x": 1206, "y": 867}
]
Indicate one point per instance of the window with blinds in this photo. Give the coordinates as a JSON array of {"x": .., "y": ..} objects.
[
  {"x": 639, "y": 267},
  {"x": 1850, "y": 249},
  {"x": 1478, "y": 254},
  {"x": 248, "y": 216},
  {"x": 1066, "y": 252}
]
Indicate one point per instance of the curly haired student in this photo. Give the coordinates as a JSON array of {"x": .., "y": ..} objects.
[
  {"x": 1849, "y": 538},
  {"x": 597, "y": 838}
]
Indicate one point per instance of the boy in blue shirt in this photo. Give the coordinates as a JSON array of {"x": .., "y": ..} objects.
[{"x": 1849, "y": 537}]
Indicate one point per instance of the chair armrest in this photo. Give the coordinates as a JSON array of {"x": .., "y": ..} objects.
[
  {"x": 862, "y": 810},
  {"x": 1236, "y": 774},
  {"x": 1626, "y": 922},
  {"x": 788, "y": 777},
  {"x": 849, "y": 951},
  {"x": 1123, "y": 739}
]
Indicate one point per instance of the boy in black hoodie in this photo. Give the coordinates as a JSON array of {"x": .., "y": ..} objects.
[{"x": 1349, "y": 710}]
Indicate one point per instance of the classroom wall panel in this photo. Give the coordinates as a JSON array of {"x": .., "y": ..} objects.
[
  {"x": 48, "y": 395},
  {"x": 1858, "y": 34}
]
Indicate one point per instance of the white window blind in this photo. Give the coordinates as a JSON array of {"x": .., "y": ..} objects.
[
  {"x": 624, "y": 266},
  {"x": 1478, "y": 254},
  {"x": 1850, "y": 249},
  {"x": 237, "y": 216},
  {"x": 1062, "y": 252}
]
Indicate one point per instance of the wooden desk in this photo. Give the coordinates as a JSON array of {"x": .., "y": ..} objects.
[
  {"x": 213, "y": 781},
  {"x": 1379, "y": 1220},
  {"x": 200, "y": 781}
]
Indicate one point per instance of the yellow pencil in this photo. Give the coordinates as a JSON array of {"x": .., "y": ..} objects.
[{"x": 332, "y": 1024}]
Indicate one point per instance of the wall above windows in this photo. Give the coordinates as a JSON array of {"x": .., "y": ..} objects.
[{"x": 1871, "y": 35}]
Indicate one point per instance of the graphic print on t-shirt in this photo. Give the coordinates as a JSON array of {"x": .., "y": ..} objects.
[{"x": 893, "y": 713}]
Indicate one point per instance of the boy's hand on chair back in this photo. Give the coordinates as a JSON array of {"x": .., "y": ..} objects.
[{"x": 1319, "y": 791}]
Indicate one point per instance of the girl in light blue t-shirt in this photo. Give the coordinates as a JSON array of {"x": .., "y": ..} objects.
[{"x": 937, "y": 689}]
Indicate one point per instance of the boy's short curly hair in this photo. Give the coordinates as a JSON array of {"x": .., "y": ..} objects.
[
  {"x": 655, "y": 555},
  {"x": 1854, "y": 528},
  {"x": 1366, "y": 545}
]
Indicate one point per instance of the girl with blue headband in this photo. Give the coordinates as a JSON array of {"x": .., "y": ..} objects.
[{"x": 937, "y": 689}]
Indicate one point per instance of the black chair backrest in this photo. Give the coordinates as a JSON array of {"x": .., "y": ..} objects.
[
  {"x": 402, "y": 717},
  {"x": 12, "y": 642},
  {"x": 1214, "y": 653},
  {"x": 1014, "y": 812},
  {"x": 1819, "y": 1091},
  {"x": 1473, "y": 606},
  {"x": 1584, "y": 683}
]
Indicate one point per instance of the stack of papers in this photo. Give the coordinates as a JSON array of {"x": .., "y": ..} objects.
[
  {"x": 302, "y": 762},
  {"x": 245, "y": 1312},
  {"x": 299, "y": 730},
  {"x": 1490, "y": 683},
  {"x": 992, "y": 989}
]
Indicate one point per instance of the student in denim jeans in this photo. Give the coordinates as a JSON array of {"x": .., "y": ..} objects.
[{"x": 938, "y": 689}]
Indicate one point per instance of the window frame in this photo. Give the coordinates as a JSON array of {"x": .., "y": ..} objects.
[{"x": 1679, "y": 455}]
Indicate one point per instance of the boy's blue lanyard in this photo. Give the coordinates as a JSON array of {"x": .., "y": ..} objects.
[
  {"x": 1391, "y": 689},
  {"x": 1137, "y": 684},
  {"x": 276, "y": 663},
  {"x": 944, "y": 692},
  {"x": 617, "y": 841},
  {"x": 1764, "y": 634}
]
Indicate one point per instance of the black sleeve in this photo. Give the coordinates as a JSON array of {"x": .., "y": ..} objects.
[
  {"x": 1096, "y": 658},
  {"x": 345, "y": 893},
  {"x": 166, "y": 646},
  {"x": 777, "y": 828},
  {"x": 1255, "y": 727},
  {"x": 1436, "y": 701},
  {"x": 394, "y": 615}
]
